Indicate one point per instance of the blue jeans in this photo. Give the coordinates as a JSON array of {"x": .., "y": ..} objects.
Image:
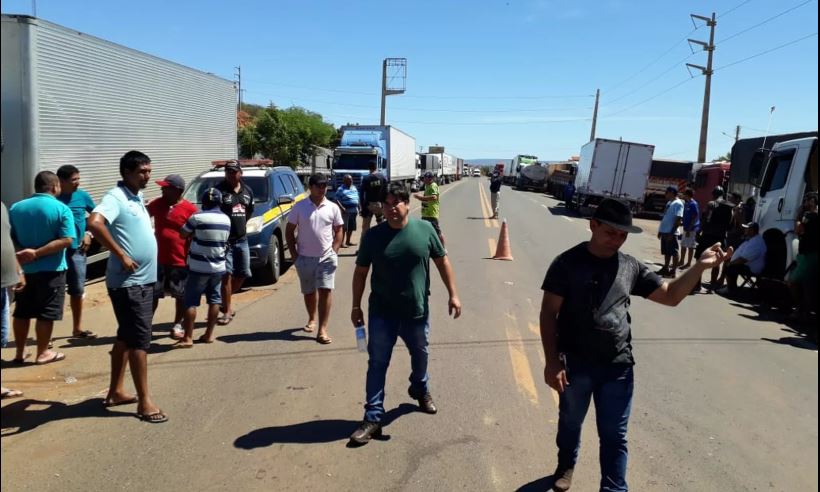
[
  {"x": 383, "y": 334},
  {"x": 4, "y": 300},
  {"x": 610, "y": 386},
  {"x": 238, "y": 259},
  {"x": 75, "y": 278}
]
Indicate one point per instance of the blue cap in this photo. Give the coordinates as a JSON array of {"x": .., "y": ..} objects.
[
  {"x": 211, "y": 198},
  {"x": 672, "y": 189}
]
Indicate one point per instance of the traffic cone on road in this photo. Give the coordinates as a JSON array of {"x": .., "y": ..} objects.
[{"x": 502, "y": 251}]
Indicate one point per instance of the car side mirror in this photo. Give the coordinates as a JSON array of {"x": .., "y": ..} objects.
[{"x": 283, "y": 199}]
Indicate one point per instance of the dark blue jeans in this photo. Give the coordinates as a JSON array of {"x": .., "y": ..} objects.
[
  {"x": 383, "y": 334},
  {"x": 610, "y": 387}
]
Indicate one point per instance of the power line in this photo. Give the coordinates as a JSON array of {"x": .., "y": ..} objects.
[
  {"x": 376, "y": 94},
  {"x": 741, "y": 4},
  {"x": 671, "y": 67},
  {"x": 653, "y": 97},
  {"x": 767, "y": 51},
  {"x": 766, "y": 21},
  {"x": 610, "y": 89}
]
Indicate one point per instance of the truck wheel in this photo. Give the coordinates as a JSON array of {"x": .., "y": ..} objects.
[{"x": 272, "y": 270}]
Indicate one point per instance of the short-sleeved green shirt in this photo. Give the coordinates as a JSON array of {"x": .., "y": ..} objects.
[
  {"x": 430, "y": 209},
  {"x": 400, "y": 261}
]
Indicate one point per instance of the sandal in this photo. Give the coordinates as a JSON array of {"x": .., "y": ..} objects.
[
  {"x": 225, "y": 319},
  {"x": 202, "y": 339},
  {"x": 153, "y": 418},
  {"x": 180, "y": 345},
  {"x": 57, "y": 357},
  {"x": 10, "y": 393},
  {"x": 309, "y": 328},
  {"x": 127, "y": 401},
  {"x": 323, "y": 339},
  {"x": 84, "y": 334}
]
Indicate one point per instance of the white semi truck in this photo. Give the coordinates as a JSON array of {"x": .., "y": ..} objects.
[
  {"x": 72, "y": 98},
  {"x": 393, "y": 151}
]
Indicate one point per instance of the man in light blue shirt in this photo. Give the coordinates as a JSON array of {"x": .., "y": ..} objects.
[
  {"x": 121, "y": 223},
  {"x": 80, "y": 203},
  {"x": 41, "y": 228},
  {"x": 668, "y": 232}
]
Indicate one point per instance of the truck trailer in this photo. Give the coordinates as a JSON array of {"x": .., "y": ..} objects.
[
  {"x": 72, "y": 98},
  {"x": 393, "y": 151},
  {"x": 613, "y": 168}
]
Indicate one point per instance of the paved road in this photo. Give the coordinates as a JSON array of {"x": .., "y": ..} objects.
[{"x": 725, "y": 400}]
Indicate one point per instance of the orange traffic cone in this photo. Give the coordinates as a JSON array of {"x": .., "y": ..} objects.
[{"x": 502, "y": 252}]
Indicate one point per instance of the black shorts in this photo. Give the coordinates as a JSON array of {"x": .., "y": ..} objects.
[
  {"x": 170, "y": 279},
  {"x": 706, "y": 241},
  {"x": 133, "y": 307},
  {"x": 434, "y": 222},
  {"x": 669, "y": 244},
  {"x": 43, "y": 298}
]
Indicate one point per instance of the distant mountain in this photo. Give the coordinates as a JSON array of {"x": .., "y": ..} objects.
[{"x": 485, "y": 162}]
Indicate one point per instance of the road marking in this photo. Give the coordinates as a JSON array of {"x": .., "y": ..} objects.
[
  {"x": 537, "y": 330},
  {"x": 484, "y": 209},
  {"x": 545, "y": 207},
  {"x": 487, "y": 208},
  {"x": 491, "y": 243},
  {"x": 567, "y": 218},
  {"x": 520, "y": 364}
]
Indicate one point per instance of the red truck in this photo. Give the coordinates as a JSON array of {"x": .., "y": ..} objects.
[{"x": 706, "y": 178}]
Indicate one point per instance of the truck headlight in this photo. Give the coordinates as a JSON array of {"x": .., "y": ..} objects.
[{"x": 255, "y": 225}]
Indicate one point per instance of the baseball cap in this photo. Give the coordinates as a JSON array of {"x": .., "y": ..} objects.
[
  {"x": 427, "y": 174},
  {"x": 617, "y": 214},
  {"x": 211, "y": 198},
  {"x": 672, "y": 189},
  {"x": 172, "y": 180},
  {"x": 233, "y": 166}
]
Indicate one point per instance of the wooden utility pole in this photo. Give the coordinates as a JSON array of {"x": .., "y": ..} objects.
[{"x": 595, "y": 115}]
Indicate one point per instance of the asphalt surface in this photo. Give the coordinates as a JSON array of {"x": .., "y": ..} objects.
[{"x": 725, "y": 399}]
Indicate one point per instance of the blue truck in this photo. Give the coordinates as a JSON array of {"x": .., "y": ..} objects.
[{"x": 393, "y": 151}]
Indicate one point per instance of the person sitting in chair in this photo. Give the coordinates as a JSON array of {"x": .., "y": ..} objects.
[{"x": 749, "y": 259}]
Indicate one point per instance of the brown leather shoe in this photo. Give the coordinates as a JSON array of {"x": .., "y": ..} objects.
[
  {"x": 366, "y": 431},
  {"x": 563, "y": 479},
  {"x": 426, "y": 404}
]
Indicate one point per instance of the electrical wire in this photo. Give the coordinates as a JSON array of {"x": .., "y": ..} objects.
[
  {"x": 765, "y": 21},
  {"x": 794, "y": 41}
]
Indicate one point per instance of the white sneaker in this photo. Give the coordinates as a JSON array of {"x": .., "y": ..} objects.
[{"x": 177, "y": 332}]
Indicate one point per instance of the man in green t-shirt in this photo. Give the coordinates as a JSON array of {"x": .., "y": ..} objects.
[
  {"x": 399, "y": 250},
  {"x": 430, "y": 203}
]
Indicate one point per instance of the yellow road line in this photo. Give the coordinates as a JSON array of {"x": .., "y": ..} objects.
[
  {"x": 487, "y": 207},
  {"x": 484, "y": 212},
  {"x": 520, "y": 364},
  {"x": 491, "y": 243},
  {"x": 537, "y": 330}
]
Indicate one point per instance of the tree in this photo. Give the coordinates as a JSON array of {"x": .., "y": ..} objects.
[
  {"x": 725, "y": 157},
  {"x": 285, "y": 136}
]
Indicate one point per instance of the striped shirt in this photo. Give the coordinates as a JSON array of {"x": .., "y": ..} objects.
[{"x": 210, "y": 229}]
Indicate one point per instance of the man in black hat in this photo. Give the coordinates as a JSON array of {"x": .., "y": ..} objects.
[
  {"x": 237, "y": 203},
  {"x": 585, "y": 331}
]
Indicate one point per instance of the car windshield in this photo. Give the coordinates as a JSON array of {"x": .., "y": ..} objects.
[{"x": 257, "y": 184}]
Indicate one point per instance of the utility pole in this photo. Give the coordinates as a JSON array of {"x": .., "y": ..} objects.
[
  {"x": 707, "y": 71},
  {"x": 399, "y": 65},
  {"x": 595, "y": 115},
  {"x": 239, "y": 87},
  {"x": 737, "y": 133}
]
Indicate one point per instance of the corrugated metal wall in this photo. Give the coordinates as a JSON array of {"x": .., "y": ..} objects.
[{"x": 98, "y": 100}]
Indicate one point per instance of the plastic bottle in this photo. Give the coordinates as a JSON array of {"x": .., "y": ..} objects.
[{"x": 361, "y": 338}]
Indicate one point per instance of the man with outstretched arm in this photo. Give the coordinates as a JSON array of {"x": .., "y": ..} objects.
[{"x": 585, "y": 331}]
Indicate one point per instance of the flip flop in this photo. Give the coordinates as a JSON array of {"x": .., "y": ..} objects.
[
  {"x": 127, "y": 401},
  {"x": 22, "y": 361},
  {"x": 179, "y": 345},
  {"x": 308, "y": 328},
  {"x": 85, "y": 334},
  {"x": 10, "y": 393},
  {"x": 153, "y": 418},
  {"x": 224, "y": 319},
  {"x": 202, "y": 339},
  {"x": 57, "y": 357},
  {"x": 324, "y": 339}
]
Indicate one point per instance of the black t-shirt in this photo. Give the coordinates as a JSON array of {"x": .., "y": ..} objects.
[
  {"x": 718, "y": 218},
  {"x": 374, "y": 188},
  {"x": 594, "y": 322},
  {"x": 238, "y": 206},
  {"x": 809, "y": 239},
  {"x": 495, "y": 184}
]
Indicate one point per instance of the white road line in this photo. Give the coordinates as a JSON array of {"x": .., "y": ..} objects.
[
  {"x": 567, "y": 218},
  {"x": 545, "y": 207}
]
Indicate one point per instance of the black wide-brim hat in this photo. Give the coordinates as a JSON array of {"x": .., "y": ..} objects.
[{"x": 617, "y": 214}]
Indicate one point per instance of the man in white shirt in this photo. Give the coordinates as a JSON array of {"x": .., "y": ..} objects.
[
  {"x": 668, "y": 233},
  {"x": 749, "y": 259},
  {"x": 318, "y": 222}
]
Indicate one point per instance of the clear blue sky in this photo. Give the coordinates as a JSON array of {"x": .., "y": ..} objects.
[{"x": 491, "y": 79}]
